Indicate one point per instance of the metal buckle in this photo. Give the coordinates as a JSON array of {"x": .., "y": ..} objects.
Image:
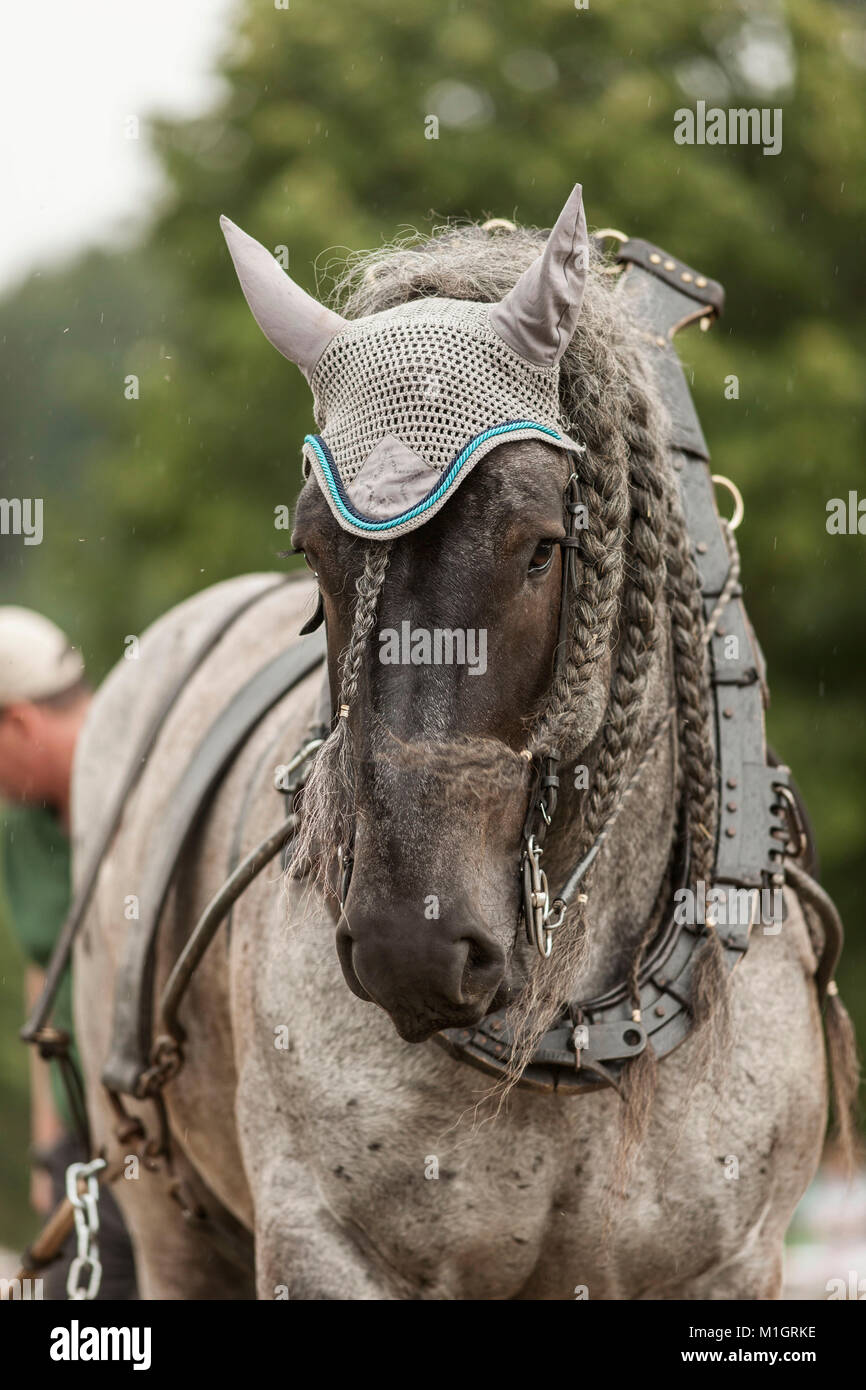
[
  {"x": 284, "y": 781},
  {"x": 538, "y": 911}
]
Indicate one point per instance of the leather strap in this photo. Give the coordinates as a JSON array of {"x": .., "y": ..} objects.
[
  {"x": 672, "y": 272},
  {"x": 60, "y": 955},
  {"x": 130, "y": 1051}
]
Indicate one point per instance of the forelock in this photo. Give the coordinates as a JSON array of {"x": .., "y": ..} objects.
[{"x": 606, "y": 373}]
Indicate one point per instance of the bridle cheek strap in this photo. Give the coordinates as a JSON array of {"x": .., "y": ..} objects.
[{"x": 541, "y": 916}]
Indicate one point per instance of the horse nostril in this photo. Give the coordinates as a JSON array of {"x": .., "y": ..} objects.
[
  {"x": 476, "y": 956},
  {"x": 484, "y": 967}
]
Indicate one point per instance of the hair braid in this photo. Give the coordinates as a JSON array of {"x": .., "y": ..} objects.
[
  {"x": 692, "y": 687},
  {"x": 644, "y": 581},
  {"x": 329, "y": 792},
  {"x": 368, "y": 586},
  {"x": 593, "y": 607}
]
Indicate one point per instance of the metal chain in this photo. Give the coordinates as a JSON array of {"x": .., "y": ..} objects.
[{"x": 86, "y": 1229}]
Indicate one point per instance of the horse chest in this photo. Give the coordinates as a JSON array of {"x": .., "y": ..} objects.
[{"x": 456, "y": 1219}]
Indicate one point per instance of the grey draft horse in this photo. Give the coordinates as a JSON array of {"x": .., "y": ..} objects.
[{"x": 366, "y": 1161}]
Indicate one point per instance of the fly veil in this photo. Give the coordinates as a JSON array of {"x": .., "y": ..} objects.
[{"x": 410, "y": 399}]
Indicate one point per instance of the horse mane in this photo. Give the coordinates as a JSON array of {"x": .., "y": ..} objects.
[{"x": 635, "y": 556}]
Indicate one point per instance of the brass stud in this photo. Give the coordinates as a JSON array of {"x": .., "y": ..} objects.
[
  {"x": 659, "y": 1011},
  {"x": 655, "y": 257},
  {"x": 732, "y": 806},
  {"x": 730, "y": 832},
  {"x": 700, "y": 282},
  {"x": 687, "y": 276},
  {"x": 728, "y": 713},
  {"x": 670, "y": 265},
  {"x": 732, "y": 783},
  {"x": 701, "y": 547},
  {"x": 660, "y": 342}
]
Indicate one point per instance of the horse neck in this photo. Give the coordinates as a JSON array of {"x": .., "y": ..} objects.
[{"x": 631, "y": 867}]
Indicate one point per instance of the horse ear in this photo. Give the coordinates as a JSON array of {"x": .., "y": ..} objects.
[
  {"x": 538, "y": 316},
  {"x": 298, "y": 325}
]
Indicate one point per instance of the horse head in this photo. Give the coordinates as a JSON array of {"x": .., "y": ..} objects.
[{"x": 453, "y": 669}]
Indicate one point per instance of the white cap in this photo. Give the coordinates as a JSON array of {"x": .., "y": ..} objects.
[{"x": 36, "y": 659}]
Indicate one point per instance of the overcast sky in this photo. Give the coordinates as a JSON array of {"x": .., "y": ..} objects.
[{"x": 71, "y": 74}]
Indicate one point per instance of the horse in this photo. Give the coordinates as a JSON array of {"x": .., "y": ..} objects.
[{"x": 316, "y": 1116}]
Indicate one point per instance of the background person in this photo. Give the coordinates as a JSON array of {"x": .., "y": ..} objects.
[{"x": 44, "y": 699}]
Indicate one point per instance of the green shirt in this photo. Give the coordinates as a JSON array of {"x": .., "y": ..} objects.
[{"x": 35, "y": 859}]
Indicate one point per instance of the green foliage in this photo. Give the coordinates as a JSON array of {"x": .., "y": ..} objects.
[{"x": 319, "y": 143}]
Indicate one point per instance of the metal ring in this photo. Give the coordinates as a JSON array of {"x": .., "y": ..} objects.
[
  {"x": 739, "y": 505},
  {"x": 498, "y": 224},
  {"x": 610, "y": 234},
  {"x": 798, "y": 840}
]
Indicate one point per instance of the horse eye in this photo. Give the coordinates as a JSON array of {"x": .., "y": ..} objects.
[
  {"x": 542, "y": 557},
  {"x": 299, "y": 550}
]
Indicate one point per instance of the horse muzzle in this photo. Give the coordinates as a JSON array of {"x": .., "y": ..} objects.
[{"x": 426, "y": 975}]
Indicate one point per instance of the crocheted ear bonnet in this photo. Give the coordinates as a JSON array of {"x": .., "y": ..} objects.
[{"x": 408, "y": 400}]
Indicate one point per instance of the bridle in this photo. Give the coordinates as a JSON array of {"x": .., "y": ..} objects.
[{"x": 541, "y": 916}]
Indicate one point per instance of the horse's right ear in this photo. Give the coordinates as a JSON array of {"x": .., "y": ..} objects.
[{"x": 298, "y": 325}]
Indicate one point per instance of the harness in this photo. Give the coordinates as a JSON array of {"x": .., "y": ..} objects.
[
  {"x": 760, "y": 819},
  {"x": 761, "y": 823}
]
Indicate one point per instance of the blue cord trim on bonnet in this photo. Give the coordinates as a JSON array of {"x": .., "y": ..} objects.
[{"x": 341, "y": 501}]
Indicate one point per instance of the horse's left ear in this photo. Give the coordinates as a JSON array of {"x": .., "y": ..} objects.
[
  {"x": 298, "y": 325},
  {"x": 537, "y": 318}
]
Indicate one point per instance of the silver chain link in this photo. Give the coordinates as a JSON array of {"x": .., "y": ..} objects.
[{"x": 86, "y": 1230}]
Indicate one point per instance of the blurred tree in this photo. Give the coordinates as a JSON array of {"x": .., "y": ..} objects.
[{"x": 321, "y": 142}]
